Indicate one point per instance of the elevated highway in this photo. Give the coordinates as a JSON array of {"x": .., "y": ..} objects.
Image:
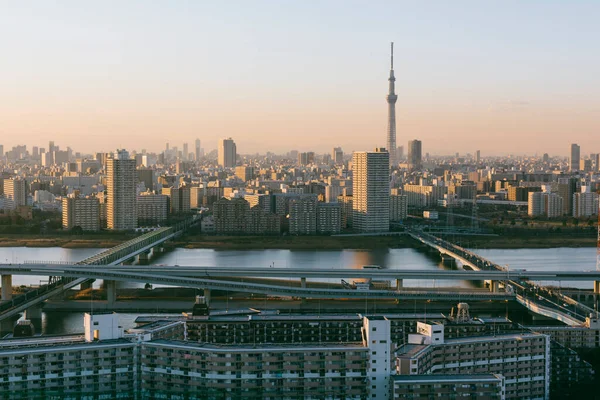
[
  {"x": 12, "y": 306},
  {"x": 75, "y": 270},
  {"x": 538, "y": 299}
]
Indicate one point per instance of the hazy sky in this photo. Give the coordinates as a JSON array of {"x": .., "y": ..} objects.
[{"x": 500, "y": 76}]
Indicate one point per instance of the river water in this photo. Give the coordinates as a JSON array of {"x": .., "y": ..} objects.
[{"x": 575, "y": 259}]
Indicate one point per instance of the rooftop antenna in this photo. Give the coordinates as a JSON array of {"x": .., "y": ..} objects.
[{"x": 392, "y": 65}]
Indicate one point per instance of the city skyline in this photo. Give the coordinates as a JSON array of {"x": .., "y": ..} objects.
[{"x": 111, "y": 80}]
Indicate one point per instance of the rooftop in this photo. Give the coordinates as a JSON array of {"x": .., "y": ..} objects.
[
  {"x": 302, "y": 347},
  {"x": 435, "y": 378}
]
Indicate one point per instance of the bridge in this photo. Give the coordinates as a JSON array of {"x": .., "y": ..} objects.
[
  {"x": 538, "y": 299},
  {"x": 30, "y": 301},
  {"x": 78, "y": 271},
  {"x": 223, "y": 283}
]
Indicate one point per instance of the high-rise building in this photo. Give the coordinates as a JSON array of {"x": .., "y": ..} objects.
[
  {"x": 329, "y": 218},
  {"x": 179, "y": 199},
  {"x": 398, "y": 206},
  {"x": 391, "y": 100},
  {"x": 227, "y": 153},
  {"x": 337, "y": 155},
  {"x": 371, "y": 191},
  {"x": 585, "y": 165},
  {"x": 585, "y": 203},
  {"x": 198, "y": 149},
  {"x": 121, "y": 210},
  {"x": 303, "y": 215},
  {"x": 185, "y": 152},
  {"x": 478, "y": 156},
  {"x": 152, "y": 208},
  {"x": 146, "y": 175},
  {"x": 545, "y": 203},
  {"x": 51, "y": 147},
  {"x": 306, "y": 158},
  {"x": 15, "y": 192},
  {"x": 414, "y": 154},
  {"x": 82, "y": 212},
  {"x": 244, "y": 173},
  {"x": 545, "y": 158},
  {"x": 574, "y": 159},
  {"x": 399, "y": 153}
]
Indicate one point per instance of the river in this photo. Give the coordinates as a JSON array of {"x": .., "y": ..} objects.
[{"x": 576, "y": 259}]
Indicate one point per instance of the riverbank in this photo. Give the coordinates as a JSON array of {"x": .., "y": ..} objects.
[{"x": 541, "y": 240}]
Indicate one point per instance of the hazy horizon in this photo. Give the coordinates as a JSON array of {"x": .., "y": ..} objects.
[{"x": 505, "y": 78}]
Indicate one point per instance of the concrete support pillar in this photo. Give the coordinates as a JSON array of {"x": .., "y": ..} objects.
[
  {"x": 303, "y": 282},
  {"x": 111, "y": 291},
  {"x": 494, "y": 286},
  {"x": 207, "y": 297},
  {"x": 596, "y": 287},
  {"x": 6, "y": 287},
  {"x": 143, "y": 257},
  {"x": 399, "y": 284},
  {"x": 87, "y": 285},
  {"x": 34, "y": 312}
]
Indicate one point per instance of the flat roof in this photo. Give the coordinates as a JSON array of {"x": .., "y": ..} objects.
[
  {"x": 300, "y": 347},
  {"x": 435, "y": 378}
]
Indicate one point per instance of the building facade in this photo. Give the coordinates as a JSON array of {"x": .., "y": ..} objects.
[
  {"x": 121, "y": 210},
  {"x": 227, "y": 153},
  {"x": 82, "y": 212},
  {"x": 371, "y": 191}
]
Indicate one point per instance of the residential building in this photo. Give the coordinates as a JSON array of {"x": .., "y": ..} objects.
[
  {"x": 545, "y": 204},
  {"x": 121, "y": 210},
  {"x": 337, "y": 156},
  {"x": 179, "y": 199},
  {"x": 152, "y": 208},
  {"x": 345, "y": 200},
  {"x": 244, "y": 173},
  {"x": 523, "y": 359},
  {"x": 414, "y": 154},
  {"x": 303, "y": 215},
  {"x": 15, "y": 192},
  {"x": 329, "y": 218},
  {"x": 371, "y": 191},
  {"x": 82, "y": 212},
  {"x": 448, "y": 387},
  {"x": 398, "y": 207},
  {"x": 422, "y": 196},
  {"x": 574, "y": 158},
  {"x": 146, "y": 175},
  {"x": 585, "y": 203},
  {"x": 227, "y": 153}
]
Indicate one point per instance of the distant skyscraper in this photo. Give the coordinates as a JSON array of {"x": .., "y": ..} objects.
[
  {"x": 227, "y": 153},
  {"x": 337, "y": 155},
  {"x": 121, "y": 210},
  {"x": 186, "y": 153},
  {"x": 478, "y": 156},
  {"x": 371, "y": 191},
  {"x": 414, "y": 154},
  {"x": 575, "y": 156},
  {"x": 391, "y": 99},
  {"x": 51, "y": 147},
  {"x": 197, "y": 150},
  {"x": 545, "y": 158}
]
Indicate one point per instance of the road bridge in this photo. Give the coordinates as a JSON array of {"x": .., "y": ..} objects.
[
  {"x": 29, "y": 301},
  {"x": 75, "y": 270},
  {"x": 279, "y": 289},
  {"x": 538, "y": 299}
]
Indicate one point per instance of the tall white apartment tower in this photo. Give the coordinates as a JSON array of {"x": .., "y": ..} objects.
[
  {"x": 371, "y": 190},
  {"x": 376, "y": 336},
  {"x": 391, "y": 100},
  {"x": 121, "y": 211},
  {"x": 227, "y": 153},
  {"x": 574, "y": 158}
]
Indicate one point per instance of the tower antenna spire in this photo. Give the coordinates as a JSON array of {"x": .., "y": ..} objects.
[{"x": 392, "y": 55}]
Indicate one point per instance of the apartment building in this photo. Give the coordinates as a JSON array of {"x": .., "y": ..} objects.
[
  {"x": 522, "y": 359},
  {"x": 83, "y": 212},
  {"x": 152, "y": 208},
  {"x": 448, "y": 387}
]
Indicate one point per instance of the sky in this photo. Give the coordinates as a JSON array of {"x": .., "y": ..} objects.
[{"x": 504, "y": 77}]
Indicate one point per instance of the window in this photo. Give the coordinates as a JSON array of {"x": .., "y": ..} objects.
[{"x": 374, "y": 329}]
